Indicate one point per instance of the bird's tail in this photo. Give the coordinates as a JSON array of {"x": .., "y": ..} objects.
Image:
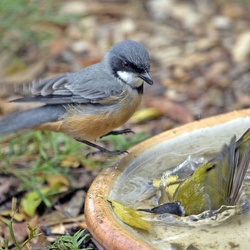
[
  {"x": 31, "y": 118},
  {"x": 242, "y": 164}
]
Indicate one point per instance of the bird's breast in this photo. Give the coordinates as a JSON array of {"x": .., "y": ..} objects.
[{"x": 93, "y": 121}]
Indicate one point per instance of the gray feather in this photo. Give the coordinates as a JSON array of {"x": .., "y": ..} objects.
[
  {"x": 91, "y": 84},
  {"x": 133, "y": 52},
  {"x": 98, "y": 83},
  {"x": 31, "y": 118},
  {"x": 88, "y": 85}
]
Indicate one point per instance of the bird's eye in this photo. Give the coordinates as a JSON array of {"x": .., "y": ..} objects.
[{"x": 125, "y": 64}]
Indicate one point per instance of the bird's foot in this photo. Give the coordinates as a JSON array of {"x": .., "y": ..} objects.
[
  {"x": 119, "y": 132},
  {"x": 102, "y": 150}
]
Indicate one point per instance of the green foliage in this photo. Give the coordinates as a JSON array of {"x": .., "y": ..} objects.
[
  {"x": 34, "y": 155},
  {"x": 67, "y": 242},
  {"x": 42, "y": 150},
  {"x": 32, "y": 234},
  {"x": 120, "y": 142},
  {"x": 19, "y": 19}
]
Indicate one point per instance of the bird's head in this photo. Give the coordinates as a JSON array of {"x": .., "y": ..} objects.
[{"x": 129, "y": 61}]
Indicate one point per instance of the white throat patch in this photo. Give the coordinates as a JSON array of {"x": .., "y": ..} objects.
[{"x": 130, "y": 78}]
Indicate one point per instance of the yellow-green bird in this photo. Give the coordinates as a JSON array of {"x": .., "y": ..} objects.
[
  {"x": 217, "y": 182},
  {"x": 213, "y": 184}
]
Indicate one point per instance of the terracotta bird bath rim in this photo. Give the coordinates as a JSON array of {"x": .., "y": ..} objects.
[{"x": 102, "y": 222}]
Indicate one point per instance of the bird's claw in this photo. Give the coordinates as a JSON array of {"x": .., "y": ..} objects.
[{"x": 119, "y": 132}]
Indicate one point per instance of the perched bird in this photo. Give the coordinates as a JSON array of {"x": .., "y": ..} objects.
[
  {"x": 213, "y": 184},
  {"x": 89, "y": 103}
]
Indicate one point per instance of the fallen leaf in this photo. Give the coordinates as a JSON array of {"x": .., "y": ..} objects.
[
  {"x": 145, "y": 114},
  {"x": 56, "y": 181},
  {"x": 16, "y": 216},
  {"x": 174, "y": 111},
  {"x": 71, "y": 161},
  {"x": 130, "y": 216},
  {"x": 32, "y": 199}
]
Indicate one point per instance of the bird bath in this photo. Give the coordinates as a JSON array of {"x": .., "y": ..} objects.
[{"x": 126, "y": 179}]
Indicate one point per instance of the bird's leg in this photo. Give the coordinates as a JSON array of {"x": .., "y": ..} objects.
[
  {"x": 101, "y": 149},
  {"x": 118, "y": 132}
]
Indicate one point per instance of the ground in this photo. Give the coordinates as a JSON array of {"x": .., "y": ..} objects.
[{"x": 200, "y": 65}]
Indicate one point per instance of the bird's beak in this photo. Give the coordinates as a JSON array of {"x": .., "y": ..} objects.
[{"x": 146, "y": 77}]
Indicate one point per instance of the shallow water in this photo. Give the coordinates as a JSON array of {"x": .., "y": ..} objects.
[{"x": 230, "y": 230}]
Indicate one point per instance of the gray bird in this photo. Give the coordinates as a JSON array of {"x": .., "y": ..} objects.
[{"x": 89, "y": 103}]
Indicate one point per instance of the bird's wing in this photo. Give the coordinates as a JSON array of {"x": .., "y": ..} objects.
[{"x": 89, "y": 85}]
